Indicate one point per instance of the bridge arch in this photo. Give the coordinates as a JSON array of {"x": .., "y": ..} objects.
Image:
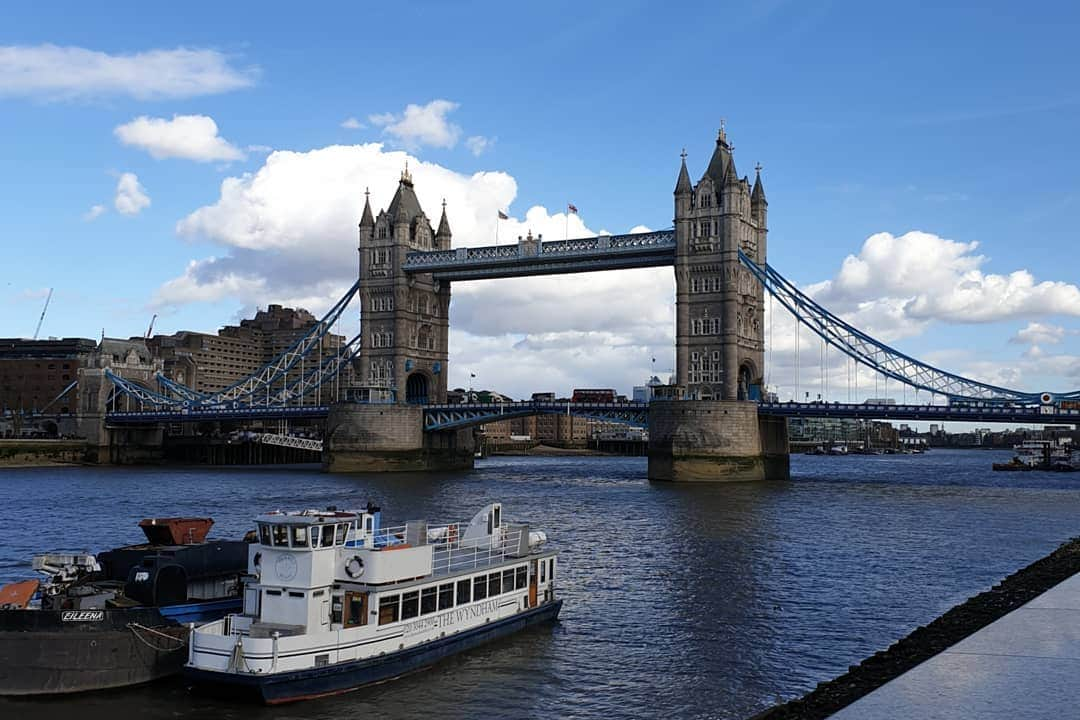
[{"x": 417, "y": 388}]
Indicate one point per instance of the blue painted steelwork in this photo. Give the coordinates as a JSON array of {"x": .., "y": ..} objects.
[
  {"x": 447, "y": 417},
  {"x": 606, "y": 252},
  {"x": 169, "y": 415},
  {"x": 985, "y": 412},
  {"x": 879, "y": 356}
]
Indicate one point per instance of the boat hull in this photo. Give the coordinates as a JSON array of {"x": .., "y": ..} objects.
[
  {"x": 310, "y": 683},
  {"x": 57, "y": 652}
]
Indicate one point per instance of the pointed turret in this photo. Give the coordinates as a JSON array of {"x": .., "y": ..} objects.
[
  {"x": 758, "y": 194},
  {"x": 367, "y": 220},
  {"x": 444, "y": 224},
  {"x": 682, "y": 186},
  {"x": 722, "y": 165},
  {"x": 404, "y": 207}
]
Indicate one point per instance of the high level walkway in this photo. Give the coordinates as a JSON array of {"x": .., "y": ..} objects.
[{"x": 1024, "y": 665}]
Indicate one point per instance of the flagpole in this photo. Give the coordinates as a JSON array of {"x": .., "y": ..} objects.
[{"x": 566, "y": 227}]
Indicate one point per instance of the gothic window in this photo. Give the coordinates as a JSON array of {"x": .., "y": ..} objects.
[
  {"x": 693, "y": 285},
  {"x": 715, "y": 326}
]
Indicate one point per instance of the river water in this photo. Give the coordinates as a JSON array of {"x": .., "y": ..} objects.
[{"x": 704, "y": 601}]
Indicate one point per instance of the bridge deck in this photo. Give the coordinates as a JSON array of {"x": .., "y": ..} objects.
[{"x": 606, "y": 252}]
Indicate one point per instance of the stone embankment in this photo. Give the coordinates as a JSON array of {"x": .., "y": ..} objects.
[
  {"x": 929, "y": 640},
  {"x": 42, "y": 453}
]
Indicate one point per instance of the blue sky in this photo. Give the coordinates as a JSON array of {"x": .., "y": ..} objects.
[{"x": 957, "y": 121}]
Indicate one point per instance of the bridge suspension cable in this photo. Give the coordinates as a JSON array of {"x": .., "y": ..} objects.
[{"x": 887, "y": 361}]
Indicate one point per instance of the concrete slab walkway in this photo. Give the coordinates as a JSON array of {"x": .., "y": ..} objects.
[{"x": 1024, "y": 665}]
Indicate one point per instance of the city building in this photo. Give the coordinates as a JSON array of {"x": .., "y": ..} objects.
[
  {"x": 38, "y": 375},
  {"x": 209, "y": 363},
  {"x": 646, "y": 392}
]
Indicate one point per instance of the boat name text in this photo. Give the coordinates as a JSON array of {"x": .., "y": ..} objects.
[
  {"x": 451, "y": 617},
  {"x": 82, "y": 616}
]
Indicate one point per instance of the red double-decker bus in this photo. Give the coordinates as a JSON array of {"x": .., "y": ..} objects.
[{"x": 593, "y": 395}]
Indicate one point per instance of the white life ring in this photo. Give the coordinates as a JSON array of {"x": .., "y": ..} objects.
[{"x": 354, "y": 568}]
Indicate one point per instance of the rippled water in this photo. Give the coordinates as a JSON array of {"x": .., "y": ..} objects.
[{"x": 705, "y": 601}]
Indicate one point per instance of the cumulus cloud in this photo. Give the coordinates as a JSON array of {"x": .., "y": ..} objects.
[
  {"x": 131, "y": 196},
  {"x": 191, "y": 137},
  {"x": 55, "y": 72},
  {"x": 352, "y": 124},
  {"x": 919, "y": 277},
  {"x": 1037, "y": 333},
  {"x": 94, "y": 213},
  {"x": 421, "y": 125},
  {"x": 478, "y": 144}
]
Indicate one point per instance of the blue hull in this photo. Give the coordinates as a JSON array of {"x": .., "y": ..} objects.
[
  {"x": 334, "y": 679},
  {"x": 203, "y": 611}
]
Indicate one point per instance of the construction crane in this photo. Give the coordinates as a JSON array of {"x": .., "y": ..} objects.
[
  {"x": 41, "y": 319},
  {"x": 150, "y": 329}
]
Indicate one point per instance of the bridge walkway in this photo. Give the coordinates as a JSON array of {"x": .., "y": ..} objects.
[{"x": 1024, "y": 665}]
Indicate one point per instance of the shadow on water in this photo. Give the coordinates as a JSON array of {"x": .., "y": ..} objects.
[{"x": 681, "y": 601}]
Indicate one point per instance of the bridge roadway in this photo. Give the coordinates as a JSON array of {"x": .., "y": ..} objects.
[{"x": 446, "y": 417}]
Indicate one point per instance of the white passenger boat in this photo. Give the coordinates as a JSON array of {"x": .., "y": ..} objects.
[{"x": 334, "y": 602}]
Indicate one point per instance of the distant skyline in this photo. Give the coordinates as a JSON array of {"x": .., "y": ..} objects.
[{"x": 201, "y": 161}]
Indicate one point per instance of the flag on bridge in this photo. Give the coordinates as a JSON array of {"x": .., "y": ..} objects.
[
  {"x": 503, "y": 216},
  {"x": 572, "y": 208}
]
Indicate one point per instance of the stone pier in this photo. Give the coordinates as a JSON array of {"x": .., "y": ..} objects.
[
  {"x": 391, "y": 438},
  {"x": 715, "y": 440}
]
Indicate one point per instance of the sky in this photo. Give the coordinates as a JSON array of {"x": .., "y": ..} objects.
[{"x": 197, "y": 161}]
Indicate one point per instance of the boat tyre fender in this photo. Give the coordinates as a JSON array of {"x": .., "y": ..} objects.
[{"x": 354, "y": 568}]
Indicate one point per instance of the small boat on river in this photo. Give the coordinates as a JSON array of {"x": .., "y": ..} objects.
[
  {"x": 116, "y": 618},
  {"x": 335, "y": 601}
]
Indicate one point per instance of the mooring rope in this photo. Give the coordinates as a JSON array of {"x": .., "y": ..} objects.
[{"x": 136, "y": 627}]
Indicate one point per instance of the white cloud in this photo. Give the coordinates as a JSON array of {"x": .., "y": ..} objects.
[
  {"x": 57, "y": 72},
  {"x": 131, "y": 196},
  {"x": 352, "y": 124},
  {"x": 421, "y": 125},
  {"x": 1039, "y": 333},
  {"x": 478, "y": 144},
  {"x": 191, "y": 137},
  {"x": 919, "y": 277},
  {"x": 94, "y": 213}
]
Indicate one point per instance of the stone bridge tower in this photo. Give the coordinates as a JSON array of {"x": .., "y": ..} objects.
[
  {"x": 720, "y": 319},
  {"x": 404, "y": 318},
  {"x": 713, "y": 431}
]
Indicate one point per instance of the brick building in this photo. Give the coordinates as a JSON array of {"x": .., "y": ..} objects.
[{"x": 35, "y": 372}]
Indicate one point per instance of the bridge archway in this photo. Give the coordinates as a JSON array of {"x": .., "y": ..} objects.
[
  {"x": 746, "y": 379},
  {"x": 416, "y": 389}
]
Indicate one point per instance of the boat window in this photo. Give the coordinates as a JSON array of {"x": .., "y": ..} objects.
[
  {"x": 264, "y": 534},
  {"x": 275, "y": 593},
  {"x": 543, "y": 568},
  {"x": 494, "y": 584},
  {"x": 293, "y": 593},
  {"x": 508, "y": 580},
  {"x": 522, "y": 577},
  {"x": 281, "y": 536},
  {"x": 315, "y": 536},
  {"x": 498, "y": 516},
  {"x": 327, "y": 535},
  {"x": 551, "y": 569},
  {"x": 370, "y": 524},
  {"x": 342, "y": 530},
  {"x": 410, "y": 604},
  {"x": 446, "y": 596},
  {"x": 428, "y": 600},
  {"x": 299, "y": 536},
  {"x": 463, "y": 591},
  {"x": 389, "y": 608},
  {"x": 479, "y": 588}
]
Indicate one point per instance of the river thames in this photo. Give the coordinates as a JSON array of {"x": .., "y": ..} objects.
[{"x": 703, "y": 601}]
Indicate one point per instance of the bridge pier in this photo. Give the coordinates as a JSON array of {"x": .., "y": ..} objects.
[
  {"x": 391, "y": 438},
  {"x": 715, "y": 441}
]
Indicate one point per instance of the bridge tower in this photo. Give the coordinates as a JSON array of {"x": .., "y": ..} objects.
[
  {"x": 405, "y": 324},
  {"x": 404, "y": 318},
  {"x": 712, "y": 431},
  {"x": 720, "y": 350}
]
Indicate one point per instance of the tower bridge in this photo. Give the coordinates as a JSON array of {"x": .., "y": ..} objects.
[{"x": 716, "y": 423}]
